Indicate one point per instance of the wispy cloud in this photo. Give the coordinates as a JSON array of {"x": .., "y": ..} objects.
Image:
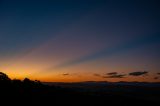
[
  {"x": 115, "y": 76},
  {"x": 138, "y": 73},
  {"x": 97, "y": 75},
  {"x": 112, "y": 73},
  {"x": 65, "y": 74}
]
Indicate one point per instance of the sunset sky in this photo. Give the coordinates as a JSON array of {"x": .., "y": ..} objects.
[{"x": 80, "y": 40}]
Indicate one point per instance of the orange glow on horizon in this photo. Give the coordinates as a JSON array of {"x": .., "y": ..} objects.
[
  {"x": 78, "y": 78},
  {"x": 77, "y": 73}
]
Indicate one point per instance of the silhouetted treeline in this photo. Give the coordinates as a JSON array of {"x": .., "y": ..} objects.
[
  {"x": 18, "y": 85},
  {"x": 28, "y": 92}
]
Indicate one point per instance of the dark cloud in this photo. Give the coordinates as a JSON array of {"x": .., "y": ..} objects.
[
  {"x": 112, "y": 73},
  {"x": 156, "y": 78},
  {"x": 115, "y": 76},
  {"x": 97, "y": 75},
  {"x": 138, "y": 73}
]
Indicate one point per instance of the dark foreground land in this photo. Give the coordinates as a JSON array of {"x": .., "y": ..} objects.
[{"x": 27, "y": 92}]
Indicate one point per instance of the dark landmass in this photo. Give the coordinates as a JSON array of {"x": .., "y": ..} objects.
[{"x": 27, "y": 92}]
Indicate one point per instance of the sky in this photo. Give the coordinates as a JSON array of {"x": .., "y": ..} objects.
[{"x": 80, "y": 40}]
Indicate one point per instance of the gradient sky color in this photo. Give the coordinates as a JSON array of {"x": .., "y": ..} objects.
[{"x": 80, "y": 40}]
